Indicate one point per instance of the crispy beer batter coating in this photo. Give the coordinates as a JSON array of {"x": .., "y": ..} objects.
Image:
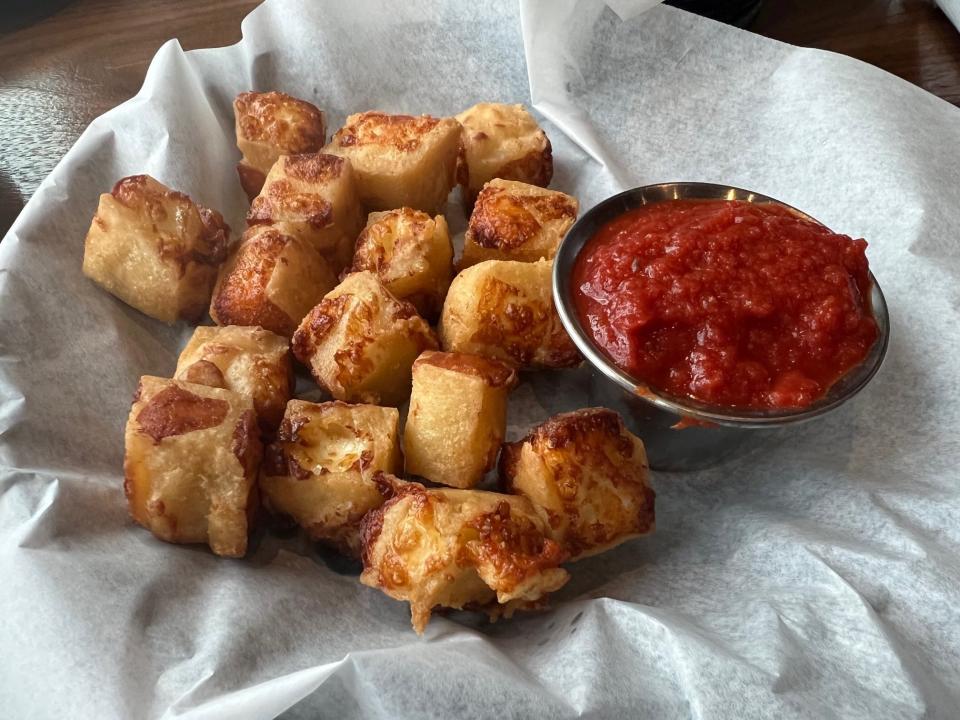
[
  {"x": 319, "y": 470},
  {"x": 312, "y": 197},
  {"x": 503, "y": 309},
  {"x": 516, "y": 221},
  {"x": 190, "y": 466},
  {"x": 458, "y": 549},
  {"x": 589, "y": 477},
  {"x": 400, "y": 160},
  {"x": 155, "y": 249},
  {"x": 457, "y": 418},
  {"x": 360, "y": 342},
  {"x": 412, "y": 255},
  {"x": 271, "y": 280},
  {"x": 271, "y": 124},
  {"x": 250, "y": 361},
  {"x": 503, "y": 141}
]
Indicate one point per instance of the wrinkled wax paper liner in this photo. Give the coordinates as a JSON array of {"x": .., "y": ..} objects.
[{"x": 818, "y": 577}]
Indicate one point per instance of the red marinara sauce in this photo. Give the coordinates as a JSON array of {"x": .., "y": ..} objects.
[{"x": 736, "y": 304}]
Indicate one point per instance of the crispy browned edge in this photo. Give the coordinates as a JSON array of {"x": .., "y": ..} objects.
[
  {"x": 402, "y": 132},
  {"x": 493, "y": 372},
  {"x": 240, "y": 298},
  {"x": 557, "y": 432}
]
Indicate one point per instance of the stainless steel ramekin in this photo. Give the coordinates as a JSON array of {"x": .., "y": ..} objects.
[{"x": 651, "y": 413}]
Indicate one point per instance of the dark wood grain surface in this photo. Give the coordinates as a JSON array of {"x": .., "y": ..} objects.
[{"x": 59, "y": 73}]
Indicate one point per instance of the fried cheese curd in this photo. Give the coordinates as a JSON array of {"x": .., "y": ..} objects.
[
  {"x": 587, "y": 475},
  {"x": 319, "y": 470},
  {"x": 400, "y": 160},
  {"x": 272, "y": 280},
  {"x": 360, "y": 342},
  {"x": 313, "y": 197},
  {"x": 515, "y": 221},
  {"x": 190, "y": 464},
  {"x": 502, "y": 141},
  {"x": 155, "y": 249},
  {"x": 458, "y": 549},
  {"x": 412, "y": 255},
  {"x": 249, "y": 361},
  {"x": 457, "y": 417},
  {"x": 271, "y": 124},
  {"x": 503, "y": 309}
]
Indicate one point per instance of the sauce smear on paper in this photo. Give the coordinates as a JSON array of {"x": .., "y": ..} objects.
[{"x": 735, "y": 304}]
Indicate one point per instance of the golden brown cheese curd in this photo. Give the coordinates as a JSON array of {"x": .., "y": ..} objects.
[
  {"x": 458, "y": 549},
  {"x": 155, "y": 249},
  {"x": 503, "y": 141},
  {"x": 249, "y": 361},
  {"x": 271, "y": 280},
  {"x": 515, "y": 221},
  {"x": 319, "y": 470},
  {"x": 412, "y": 255},
  {"x": 589, "y": 477},
  {"x": 360, "y": 342},
  {"x": 457, "y": 417},
  {"x": 190, "y": 467},
  {"x": 504, "y": 310},
  {"x": 312, "y": 197},
  {"x": 271, "y": 124},
  {"x": 400, "y": 160}
]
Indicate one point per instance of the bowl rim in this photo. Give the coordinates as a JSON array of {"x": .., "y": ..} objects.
[{"x": 583, "y": 229}]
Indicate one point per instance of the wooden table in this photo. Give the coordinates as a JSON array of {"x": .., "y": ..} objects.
[{"x": 58, "y": 74}]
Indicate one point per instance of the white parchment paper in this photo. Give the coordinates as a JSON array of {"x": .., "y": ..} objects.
[
  {"x": 951, "y": 8},
  {"x": 817, "y": 578}
]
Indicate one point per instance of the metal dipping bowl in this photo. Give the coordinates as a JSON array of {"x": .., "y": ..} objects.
[{"x": 722, "y": 432}]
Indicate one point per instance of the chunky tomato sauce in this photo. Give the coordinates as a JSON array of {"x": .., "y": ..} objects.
[{"x": 731, "y": 303}]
